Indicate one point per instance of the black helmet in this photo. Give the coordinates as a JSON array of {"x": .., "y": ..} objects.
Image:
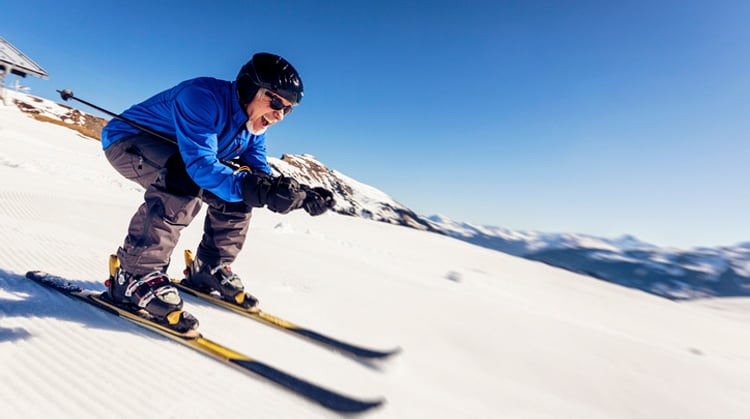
[{"x": 271, "y": 72}]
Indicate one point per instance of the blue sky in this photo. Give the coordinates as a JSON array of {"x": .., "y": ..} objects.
[{"x": 595, "y": 117}]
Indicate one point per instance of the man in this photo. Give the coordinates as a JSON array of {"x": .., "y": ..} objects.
[{"x": 211, "y": 122}]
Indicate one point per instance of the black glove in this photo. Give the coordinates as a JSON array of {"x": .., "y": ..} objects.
[
  {"x": 280, "y": 194},
  {"x": 318, "y": 200}
]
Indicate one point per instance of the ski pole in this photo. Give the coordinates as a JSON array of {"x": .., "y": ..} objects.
[{"x": 68, "y": 94}]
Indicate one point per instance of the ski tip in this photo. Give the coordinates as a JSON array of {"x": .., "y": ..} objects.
[
  {"x": 378, "y": 355},
  {"x": 364, "y": 406},
  {"x": 53, "y": 281},
  {"x": 353, "y": 405},
  {"x": 395, "y": 351}
]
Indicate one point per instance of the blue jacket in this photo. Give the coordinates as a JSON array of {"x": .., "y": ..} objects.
[{"x": 206, "y": 119}]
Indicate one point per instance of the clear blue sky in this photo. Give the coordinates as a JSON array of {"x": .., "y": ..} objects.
[{"x": 599, "y": 117}]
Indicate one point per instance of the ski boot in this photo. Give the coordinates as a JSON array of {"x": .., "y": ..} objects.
[
  {"x": 219, "y": 278},
  {"x": 152, "y": 293}
]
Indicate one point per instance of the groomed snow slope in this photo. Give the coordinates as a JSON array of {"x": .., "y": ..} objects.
[{"x": 484, "y": 335}]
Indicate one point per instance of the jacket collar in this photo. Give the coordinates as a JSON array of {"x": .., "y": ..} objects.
[{"x": 238, "y": 114}]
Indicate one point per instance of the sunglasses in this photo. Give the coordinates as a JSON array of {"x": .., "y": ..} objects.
[{"x": 277, "y": 104}]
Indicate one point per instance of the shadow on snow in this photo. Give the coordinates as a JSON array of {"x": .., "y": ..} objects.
[{"x": 21, "y": 297}]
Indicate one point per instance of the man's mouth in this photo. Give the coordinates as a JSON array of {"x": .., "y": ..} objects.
[{"x": 258, "y": 126}]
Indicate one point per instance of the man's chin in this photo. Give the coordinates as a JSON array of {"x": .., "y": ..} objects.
[{"x": 255, "y": 131}]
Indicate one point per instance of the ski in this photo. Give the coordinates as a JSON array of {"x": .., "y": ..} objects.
[
  {"x": 286, "y": 326},
  {"x": 193, "y": 339}
]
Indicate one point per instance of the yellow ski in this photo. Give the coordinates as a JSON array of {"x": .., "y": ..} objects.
[
  {"x": 268, "y": 319},
  {"x": 195, "y": 340}
]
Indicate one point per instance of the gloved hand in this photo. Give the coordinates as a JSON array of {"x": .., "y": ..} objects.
[
  {"x": 280, "y": 194},
  {"x": 318, "y": 200}
]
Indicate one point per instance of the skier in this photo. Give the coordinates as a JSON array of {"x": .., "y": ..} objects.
[{"x": 212, "y": 122}]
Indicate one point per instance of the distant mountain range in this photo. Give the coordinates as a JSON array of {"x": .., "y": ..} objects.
[{"x": 667, "y": 272}]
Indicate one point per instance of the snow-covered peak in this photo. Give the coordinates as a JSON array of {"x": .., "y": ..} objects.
[{"x": 352, "y": 197}]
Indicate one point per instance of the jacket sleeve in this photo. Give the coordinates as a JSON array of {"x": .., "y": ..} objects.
[{"x": 197, "y": 115}]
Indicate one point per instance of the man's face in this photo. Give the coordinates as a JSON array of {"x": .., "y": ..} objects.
[{"x": 261, "y": 113}]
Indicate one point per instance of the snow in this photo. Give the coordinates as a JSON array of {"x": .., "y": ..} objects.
[
  {"x": 484, "y": 334},
  {"x": 612, "y": 256}
]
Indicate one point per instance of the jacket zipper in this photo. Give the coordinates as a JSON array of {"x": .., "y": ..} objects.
[{"x": 231, "y": 144}]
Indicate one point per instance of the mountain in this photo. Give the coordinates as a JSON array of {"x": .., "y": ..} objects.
[
  {"x": 524, "y": 243},
  {"x": 353, "y": 198},
  {"x": 667, "y": 272}
]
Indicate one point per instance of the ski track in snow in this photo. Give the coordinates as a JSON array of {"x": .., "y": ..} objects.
[{"x": 484, "y": 335}]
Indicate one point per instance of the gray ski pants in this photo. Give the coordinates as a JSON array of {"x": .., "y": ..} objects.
[{"x": 172, "y": 200}]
